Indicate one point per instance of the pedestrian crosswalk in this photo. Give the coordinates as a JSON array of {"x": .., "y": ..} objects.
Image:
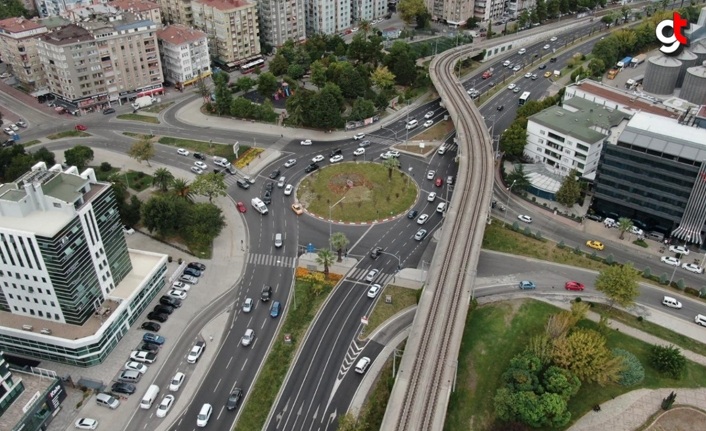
[
  {"x": 271, "y": 260},
  {"x": 359, "y": 275}
]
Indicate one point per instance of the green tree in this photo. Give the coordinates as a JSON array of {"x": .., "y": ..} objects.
[
  {"x": 244, "y": 83},
  {"x": 632, "y": 372},
  {"x": 410, "y": 9},
  {"x": 222, "y": 93},
  {"x": 541, "y": 10},
  {"x": 391, "y": 163},
  {"x": 164, "y": 214},
  {"x": 267, "y": 84},
  {"x": 204, "y": 222},
  {"x": 142, "y": 150},
  {"x": 295, "y": 71},
  {"x": 162, "y": 179},
  {"x": 79, "y": 156},
  {"x": 619, "y": 284},
  {"x": 524, "y": 18},
  {"x": 131, "y": 216},
  {"x": 12, "y": 8},
  {"x": 596, "y": 66},
  {"x": 513, "y": 141},
  {"x": 318, "y": 74},
  {"x": 569, "y": 191},
  {"x": 339, "y": 241},
  {"x": 44, "y": 155},
  {"x": 325, "y": 257},
  {"x": 210, "y": 185},
  {"x": 279, "y": 65},
  {"x": 327, "y": 109},
  {"x": 382, "y": 78},
  {"x": 624, "y": 225},
  {"x": 561, "y": 382},
  {"x": 584, "y": 353},
  {"x": 362, "y": 108},
  {"x": 182, "y": 189},
  {"x": 519, "y": 178},
  {"x": 348, "y": 422},
  {"x": 668, "y": 360},
  {"x": 553, "y": 8},
  {"x": 402, "y": 63},
  {"x": 625, "y": 11}
]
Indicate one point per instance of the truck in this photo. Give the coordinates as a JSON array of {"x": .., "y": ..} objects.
[
  {"x": 631, "y": 83},
  {"x": 488, "y": 73},
  {"x": 624, "y": 62},
  {"x": 612, "y": 73},
  {"x": 638, "y": 60},
  {"x": 143, "y": 102}
]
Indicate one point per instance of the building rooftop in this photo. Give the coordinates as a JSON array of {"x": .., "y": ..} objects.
[
  {"x": 225, "y": 5},
  {"x": 134, "y": 5},
  {"x": 18, "y": 25},
  {"x": 178, "y": 34},
  {"x": 64, "y": 187},
  {"x": 586, "y": 121},
  {"x": 665, "y": 136},
  {"x": 34, "y": 386},
  {"x": 631, "y": 101},
  {"x": 68, "y": 35}
]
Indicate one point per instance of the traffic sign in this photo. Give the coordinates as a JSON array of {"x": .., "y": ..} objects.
[{"x": 310, "y": 248}]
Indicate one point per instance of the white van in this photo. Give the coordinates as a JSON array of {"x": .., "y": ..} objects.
[
  {"x": 149, "y": 397},
  {"x": 609, "y": 222},
  {"x": 259, "y": 205},
  {"x": 700, "y": 319},
  {"x": 441, "y": 207},
  {"x": 671, "y": 302},
  {"x": 220, "y": 161},
  {"x": 442, "y": 150},
  {"x": 106, "y": 400},
  {"x": 412, "y": 124}
]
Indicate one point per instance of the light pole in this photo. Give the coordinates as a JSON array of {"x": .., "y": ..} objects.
[
  {"x": 406, "y": 139},
  {"x": 399, "y": 264},
  {"x": 330, "y": 222},
  {"x": 509, "y": 193}
]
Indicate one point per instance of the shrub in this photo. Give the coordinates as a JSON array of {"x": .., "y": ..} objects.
[
  {"x": 610, "y": 259},
  {"x": 106, "y": 167},
  {"x": 633, "y": 372},
  {"x": 538, "y": 235},
  {"x": 668, "y": 360},
  {"x": 681, "y": 285},
  {"x": 578, "y": 299},
  {"x": 691, "y": 291},
  {"x": 516, "y": 227},
  {"x": 640, "y": 319},
  {"x": 647, "y": 272},
  {"x": 663, "y": 279},
  {"x": 577, "y": 250},
  {"x": 561, "y": 244},
  {"x": 528, "y": 231}
]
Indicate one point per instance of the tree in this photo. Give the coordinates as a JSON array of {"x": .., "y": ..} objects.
[
  {"x": 267, "y": 84},
  {"x": 584, "y": 353},
  {"x": 295, "y": 71},
  {"x": 541, "y": 11},
  {"x": 518, "y": 179},
  {"x": 182, "y": 189},
  {"x": 362, "y": 108},
  {"x": 382, "y": 78},
  {"x": 318, "y": 73},
  {"x": 142, "y": 150},
  {"x": 222, "y": 92},
  {"x": 513, "y": 141},
  {"x": 162, "y": 179},
  {"x": 570, "y": 191},
  {"x": 163, "y": 214},
  {"x": 402, "y": 63},
  {"x": 410, "y": 9},
  {"x": 204, "y": 222},
  {"x": 131, "y": 215},
  {"x": 210, "y": 185},
  {"x": 633, "y": 372},
  {"x": 540, "y": 346},
  {"x": 561, "y": 382},
  {"x": 668, "y": 360},
  {"x": 472, "y": 23},
  {"x": 244, "y": 83},
  {"x": 624, "y": 225},
  {"x": 625, "y": 11},
  {"x": 203, "y": 90},
  {"x": 348, "y": 422},
  {"x": 325, "y": 257},
  {"x": 524, "y": 18},
  {"x": 78, "y": 156},
  {"x": 619, "y": 284},
  {"x": 12, "y": 8},
  {"x": 279, "y": 65},
  {"x": 391, "y": 163},
  {"x": 339, "y": 241},
  {"x": 44, "y": 155}
]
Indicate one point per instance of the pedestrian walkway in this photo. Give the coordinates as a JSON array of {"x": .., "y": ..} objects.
[{"x": 259, "y": 259}]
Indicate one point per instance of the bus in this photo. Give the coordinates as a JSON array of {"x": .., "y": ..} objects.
[
  {"x": 252, "y": 65},
  {"x": 524, "y": 98}
]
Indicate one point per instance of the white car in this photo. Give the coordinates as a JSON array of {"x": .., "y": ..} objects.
[
  {"x": 359, "y": 136},
  {"x": 318, "y": 159},
  {"x": 420, "y": 235},
  {"x": 176, "y": 382},
  {"x": 127, "y": 230},
  {"x": 201, "y": 165},
  {"x": 181, "y": 286},
  {"x": 8, "y": 131},
  {"x": 197, "y": 171},
  {"x": 517, "y": 67},
  {"x": 247, "y": 305},
  {"x": 528, "y": 75},
  {"x": 553, "y": 39},
  {"x": 547, "y": 46},
  {"x": 429, "y": 114},
  {"x": 186, "y": 278},
  {"x": 140, "y": 356},
  {"x": 506, "y": 63},
  {"x": 165, "y": 406},
  {"x": 136, "y": 366},
  {"x": 428, "y": 123},
  {"x": 178, "y": 294},
  {"x": 423, "y": 219},
  {"x": 290, "y": 163},
  {"x": 525, "y": 218},
  {"x": 374, "y": 290},
  {"x": 306, "y": 142},
  {"x": 522, "y": 51},
  {"x": 288, "y": 190},
  {"x": 86, "y": 424},
  {"x": 196, "y": 352},
  {"x": 248, "y": 337},
  {"x": 394, "y": 153},
  {"x": 182, "y": 152},
  {"x": 431, "y": 197},
  {"x": 371, "y": 275},
  {"x": 669, "y": 260},
  {"x": 511, "y": 86},
  {"x": 335, "y": 159},
  {"x": 679, "y": 249},
  {"x": 430, "y": 175},
  {"x": 14, "y": 127},
  {"x": 692, "y": 267},
  {"x": 359, "y": 151},
  {"x": 636, "y": 231}
]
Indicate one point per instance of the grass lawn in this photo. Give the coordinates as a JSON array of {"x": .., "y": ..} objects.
[
  {"x": 155, "y": 109},
  {"x": 204, "y": 147},
  {"x": 138, "y": 135},
  {"x": 437, "y": 132},
  {"x": 414, "y": 148},
  {"x": 138, "y": 181},
  {"x": 138, "y": 117},
  {"x": 102, "y": 175},
  {"x": 32, "y": 142},
  {"x": 368, "y": 193},
  {"x": 402, "y": 298},
  {"x": 68, "y": 134}
]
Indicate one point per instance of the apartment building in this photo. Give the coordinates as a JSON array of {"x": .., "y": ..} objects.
[
  {"x": 146, "y": 9},
  {"x": 69, "y": 286},
  {"x": 110, "y": 58},
  {"x": 454, "y": 12},
  {"x": 281, "y": 21},
  {"x": 232, "y": 28},
  {"x": 58, "y": 7},
  {"x": 184, "y": 53},
  {"x": 516, "y": 7},
  {"x": 488, "y": 10},
  {"x": 328, "y": 16},
  {"x": 368, "y": 10},
  {"x": 177, "y": 12},
  {"x": 18, "y": 47}
]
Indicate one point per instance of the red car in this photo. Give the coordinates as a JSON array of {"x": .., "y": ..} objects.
[
  {"x": 81, "y": 127},
  {"x": 573, "y": 285},
  {"x": 241, "y": 207},
  {"x": 439, "y": 182}
]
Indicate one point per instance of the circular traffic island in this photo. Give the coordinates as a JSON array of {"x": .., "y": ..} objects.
[{"x": 357, "y": 192}]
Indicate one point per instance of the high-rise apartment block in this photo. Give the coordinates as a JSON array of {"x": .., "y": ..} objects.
[
  {"x": 455, "y": 12},
  {"x": 516, "y": 7},
  {"x": 368, "y": 10},
  {"x": 18, "y": 47},
  {"x": 177, "y": 12},
  {"x": 145, "y": 9},
  {"x": 281, "y": 21},
  {"x": 184, "y": 52},
  {"x": 232, "y": 28},
  {"x": 58, "y": 7},
  {"x": 488, "y": 10},
  {"x": 328, "y": 16}
]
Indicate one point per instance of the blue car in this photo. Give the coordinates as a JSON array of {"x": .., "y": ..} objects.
[
  {"x": 526, "y": 284},
  {"x": 153, "y": 338},
  {"x": 193, "y": 272},
  {"x": 275, "y": 309}
]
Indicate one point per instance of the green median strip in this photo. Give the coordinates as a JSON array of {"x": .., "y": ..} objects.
[{"x": 138, "y": 117}]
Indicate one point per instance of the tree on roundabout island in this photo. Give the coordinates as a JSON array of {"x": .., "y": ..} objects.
[
  {"x": 325, "y": 257},
  {"x": 339, "y": 241},
  {"x": 391, "y": 164}
]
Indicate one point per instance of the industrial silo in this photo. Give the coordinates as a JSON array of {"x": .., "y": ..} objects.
[
  {"x": 699, "y": 48},
  {"x": 661, "y": 74},
  {"x": 688, "y": 59},
  {"x": 694, "y": 88}
]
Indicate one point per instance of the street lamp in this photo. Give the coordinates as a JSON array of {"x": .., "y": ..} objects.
[
  {"x": 509, "y": 190},
  {"x": 330, "y": 222}
]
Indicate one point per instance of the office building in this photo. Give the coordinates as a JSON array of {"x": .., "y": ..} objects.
[
  {"x": 177, "y": 12},
  {"x": 232, "y": 28},
  {"x": 18, "y": 48},
  {"x": 69, "y": 287},
  {"x": 281, "y": 21},
  {"x": 328, "y": 16},
  {"x": 184, "y": 52}
]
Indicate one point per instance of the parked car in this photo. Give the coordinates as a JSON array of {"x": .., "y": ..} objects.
[
  {"x": 192, "y": 272},
  {"x": 196, "y": 352},
  {"x": 164, "y": 309},
  {"x": 172, "y": 301},
  {"x": 150, "y": 337},
  {"x": 127, "y": 230},
  {"x": 197, "y": 266},
  {"x": 86, "y": 423},
  {"x": 181, "y": 286},
  {"x": 123, "y": 388},
  {"x": 190, "y": 279},
  {"x": 679, "y": 249},
  {"x": 149, "y": 347},
  {"x": 159, "y": 317},
  {"x": 151, "y": 326},
  {"x": 135, "y": 366},
  {"x": 176, "y": 294}
]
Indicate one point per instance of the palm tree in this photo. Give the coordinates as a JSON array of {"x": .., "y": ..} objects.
[
  {"x": 365, "y": 27},
  {"x": 181, "y": 188},
  {"x": 162, "y": 179},
  {"x": 391, "y": 163},
  {"x": 325, "y": 257},
  {"x": 624, "y": 225},
  {"x": 119, "y": 186},
  {"x": 338, "y": 241}
]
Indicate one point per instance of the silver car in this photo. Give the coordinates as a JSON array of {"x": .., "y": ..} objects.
[{"x": 248, "y": 337}]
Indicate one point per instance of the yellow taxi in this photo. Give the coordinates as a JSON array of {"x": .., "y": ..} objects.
[
  {"x": 297, "y": 208},
  {"x": 595, "y": 244},
  {"x": 547, "y": 74}
]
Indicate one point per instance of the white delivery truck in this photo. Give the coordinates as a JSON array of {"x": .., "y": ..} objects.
[
  {"x": 143, "y": 102},
  {"x": 259, "y": 205}
]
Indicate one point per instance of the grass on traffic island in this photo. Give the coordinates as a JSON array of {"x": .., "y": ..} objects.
[
  {"x": 68, "y": 134},
  {"x": 139, "y": 136},
  {"x": 402, "y": 298},
  {"x": 506, "y": 326},
  {"x": 309, "y": 297},
  {"x": 138, "y": 117},
  {"x": 32, "y": 142},
  {"x": 138, "y": 180},
  {"x": 437, "y": 132},
  {"x": 156, "y": 109},
  {"x": 204, "y": 147},
  {"x": 247, "y": 156}
]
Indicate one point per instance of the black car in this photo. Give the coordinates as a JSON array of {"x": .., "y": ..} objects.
[
  {"x": 199, "y": 156},
  {"x": 542, "y": 66},
  {"x": 336, "y": 152},
  {"x": 274, "y": 174},
  {"x": 123, "y": 388},
  {"x": 594, "y": 217},
  {"x": 243, "y": 184},
  {"x": 172, "y": 302},
  {"x": 311, "y": 168},
  {"x": 192, "y": 272},
  {"x": 108, "y": 111},
  {"x": 8, "y": 143},
  {"x": 501, "y": 107},
  {"x": 149, "y": 347},
  {"x": 234, "y": 399},
  {"x": 164, "y": 309},
  {"x": 197, "y": 265},
  {"x": 159, "y": 317},
  {"x": 151, "y": 326},
  {"x": 552, "y": 60},
  {"x": 269, "y": 186},
  {"x": 412, "y": 214},
  {"x": 267, "y": 197},
  {"x": 266, "y": 294},
  {"x": 376, "y": 252}
]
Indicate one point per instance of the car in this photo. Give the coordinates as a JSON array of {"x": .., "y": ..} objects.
[
  {"x": 266, "y": 293},
  {"x": 439, "y": 182},
  {"x": 430, "y": 175},
  {"x": 511, "y": 86},
  {"x": 429, "y": 114},
  {"x": 671, "y": 302},
  {"x": 431, "y": 197},
  {"x": 394, "y": 153},
  {"x": 79, "y": 127},
  {"x": 362, "y": 365},
  {"x": 181, "y": 286},
  {"x": 153, "y": 338},
  {"x": 547, "y": 46},
  {"x": 189, "y": 279},
  {"x": 573, "y": 285},
  {"x": 311, "y": 168},
  {"x": 528, "y": 75},
  {"x": 553, "y": 39},
  {"x": 597, "y": 245},
  {"x": 248, "y": 337},
  {"x": 275, "y": 309},
  {"x": 243, "y": 184},
  {"x": 526, "y": 284},
  {"x": 428, "y": 123},
  {"x": 371, "y": 275},
  {"x": 374, "y": 290},
  {"x": 364, "y": 144},
  {"x": 196, "y": 352},
  {"x": 201, "y": 165},
  {"x": 386, "y": 155},
  {"x": 269, "y": 186},
  {"x": 127, "y": 230},
  {"x": 274, "y": 174},
  {"x": 298, "y": 209},
  {"x": 86, "y": 423},
  {"x": 521, "y": 51},
  {"x": 412, "y": 214},
  {"x": 196, "y": 170},
  {"x": 517, "y": 90},
  {"x": 669, "y": 260},
  {"x": 359, "y": 136},
  {"x": 21, "y": 123},
  {"x": 176, "y": 382},
  {"x": 700, "y": 319},
  {"x": 506, "y": 63},
  {"x": 420, "y": 235},
  {"x": 289, "y": 163},
  {"x": 679, "y": 249},
  {"x": 517, "y": 68},
  {"x": 9, "y": 131},
  {"x": 267, "y": 197},
  {"x": 317, "y": 159},
  {"x": 441, "y": 208},
  {"x": 500, "y": 107},
  {"x": 151, "y": 326},
  {"x": 234, "y": 399},
  {"x": 123, "y": 388},
  {"x": 594, "y": 217},
  {"x": 164, "y": 309},
  {"x": 172, "y": 301},
  {"x": 542, "y": 66},
  {"x": 199, "y": 156},
  {"x": 359, "y": 151},
  {"x": 547, "y": 74},
  {"x": 552, "y": 60},
  {"x": 335, "y": 159},
  {"x": 204, "y": 415},
  {"x": 525, "y": 218},
  {"x": 241, "y": 207},
  {"x": 108, "y": 111},
  {"x": 288, "y": 190},
  {"x": 422, "y": 219},
  {"x": 141, "y": 356},
  {"x": 165, "y": 406},
  {"x": 306, "y": 142},
  {"x": 178, "y": 294},
  {"x": 534, "y": 77},
  {"x": 159, "y": 317},
  {"x": 182, "y": 152},
  {"x": 148, "y": 347},
  {"x": 189, "y": 270},
  {"x": 135, "y": 366},
  {"x": 692, "y": 267},
  {"x": 248, "y": 305},
  {"x": 376, "y": 252},
  {"x": 636, "y": 231}
]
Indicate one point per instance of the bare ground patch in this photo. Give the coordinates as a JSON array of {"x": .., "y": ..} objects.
[{"x": 680, "y": 419}]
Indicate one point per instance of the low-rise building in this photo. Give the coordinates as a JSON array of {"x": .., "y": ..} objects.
[
  {"x": 185, "y": 56},
  {"x": 18, "y": 48}
]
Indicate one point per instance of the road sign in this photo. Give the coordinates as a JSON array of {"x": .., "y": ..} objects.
[
  {"x": 310, "y": 248},
  {"x": 236, "y": 148}
]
